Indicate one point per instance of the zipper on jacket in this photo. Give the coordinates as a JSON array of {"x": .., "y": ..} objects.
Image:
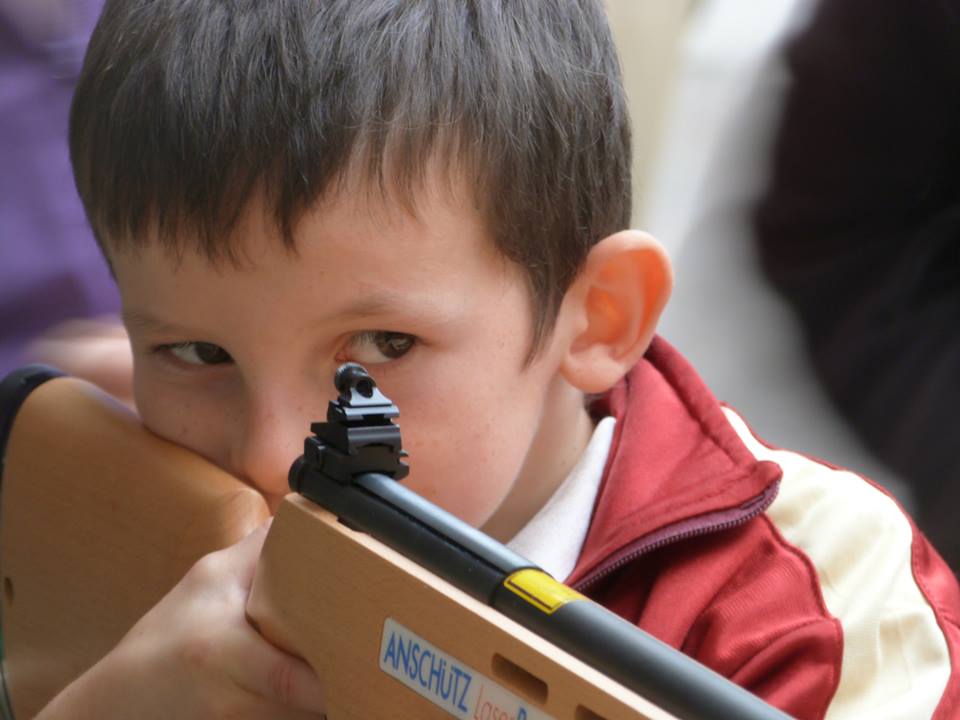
[{"x": 747, "y": 512}]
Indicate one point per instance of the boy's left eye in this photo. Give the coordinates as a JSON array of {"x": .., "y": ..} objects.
[
  {"x": 379, "y": 346},
  {"x": 198, "y": 353}
]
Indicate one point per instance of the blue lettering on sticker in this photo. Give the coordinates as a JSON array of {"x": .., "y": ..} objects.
[
  {"x": 437, "y": 670},
  {"x": 435, "y": 673},
  {"x": 448, "y": 687},
  {"x": 403, "y": 654},
  {"x": 466, "y": 686},
  {"x": 414, "y": 661},
  {"x": 424, "y": 681},
  {"x": 391, "y": 653}
]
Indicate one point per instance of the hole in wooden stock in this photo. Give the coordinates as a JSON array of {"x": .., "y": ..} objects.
[
  {"x": 520, "y": 679},
  {"x": 583, "y": 713},
  {"x": 8, "y": 590}
]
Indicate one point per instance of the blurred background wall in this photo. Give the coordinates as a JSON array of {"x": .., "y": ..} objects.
[
  {"x": 649, "y": 35},
  {"x": 706, "y": 82}
]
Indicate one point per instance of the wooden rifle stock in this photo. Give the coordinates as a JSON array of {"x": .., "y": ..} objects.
[{"x": 99, "y": 519}]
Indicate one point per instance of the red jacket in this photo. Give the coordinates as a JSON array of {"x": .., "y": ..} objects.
[{"x": 802, "y": 582}]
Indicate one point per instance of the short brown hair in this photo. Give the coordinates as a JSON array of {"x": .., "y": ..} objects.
[{"x": 184, "y": 108}]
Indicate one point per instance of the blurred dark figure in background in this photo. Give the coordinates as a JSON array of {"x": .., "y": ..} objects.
[
  {"x": 860, "y": 230},
  {"x": 50, "y": 267}
]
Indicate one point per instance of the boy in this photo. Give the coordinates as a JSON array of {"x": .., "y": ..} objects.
[{"x": 438, "y": 189}]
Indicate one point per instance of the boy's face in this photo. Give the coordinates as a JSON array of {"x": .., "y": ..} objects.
[{"x": 235, "y": 363}]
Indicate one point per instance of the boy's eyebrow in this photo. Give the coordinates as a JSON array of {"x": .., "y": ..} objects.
[
  {"x": 381, "y": 304},
  {"x": 376, "y": 304},
  {"x": 147, "y": 322}
]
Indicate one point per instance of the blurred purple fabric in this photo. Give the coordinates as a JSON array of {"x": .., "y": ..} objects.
[{"x": 50, "y": 267}]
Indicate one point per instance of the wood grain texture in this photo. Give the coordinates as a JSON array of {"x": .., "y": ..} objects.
[{"x": 99, "y": 519}]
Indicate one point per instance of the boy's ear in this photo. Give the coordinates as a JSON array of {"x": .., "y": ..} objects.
[{"x": 613, "y": 307}]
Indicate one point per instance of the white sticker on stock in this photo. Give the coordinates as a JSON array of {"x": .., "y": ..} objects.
[{"x": 445, "y": 681}]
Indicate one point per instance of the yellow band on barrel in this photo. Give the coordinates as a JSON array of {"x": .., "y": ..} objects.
[{"x": 541, "y": 590}]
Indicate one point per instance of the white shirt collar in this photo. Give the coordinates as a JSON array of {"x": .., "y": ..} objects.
[{"x": 554, "y": 536}]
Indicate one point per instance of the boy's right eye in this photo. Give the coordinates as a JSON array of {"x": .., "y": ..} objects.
[{"x": 198, "y": 353}]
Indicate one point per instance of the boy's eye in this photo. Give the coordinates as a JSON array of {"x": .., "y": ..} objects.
[
  {"x": 199, "y": 353},
  {"x": 378, "y": 346}
]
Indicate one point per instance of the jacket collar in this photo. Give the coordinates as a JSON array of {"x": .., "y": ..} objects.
[{"x": 676, "y": 467}]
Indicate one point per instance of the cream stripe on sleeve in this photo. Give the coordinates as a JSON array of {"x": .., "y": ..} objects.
[{"x": 895, "y": 659}]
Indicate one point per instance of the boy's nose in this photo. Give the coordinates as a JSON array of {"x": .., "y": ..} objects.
[{"x": 271, "y": 439}]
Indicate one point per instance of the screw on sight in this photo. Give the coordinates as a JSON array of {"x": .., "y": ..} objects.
[{"x": 353, "y": 376}]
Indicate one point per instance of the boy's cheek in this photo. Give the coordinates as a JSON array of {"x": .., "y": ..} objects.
[
  {"x": 181, "y": 416},
  {"x": 464, "y": 461}
]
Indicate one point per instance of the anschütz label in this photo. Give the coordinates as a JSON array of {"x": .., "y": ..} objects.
[{"x": 445, "y": 681}]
